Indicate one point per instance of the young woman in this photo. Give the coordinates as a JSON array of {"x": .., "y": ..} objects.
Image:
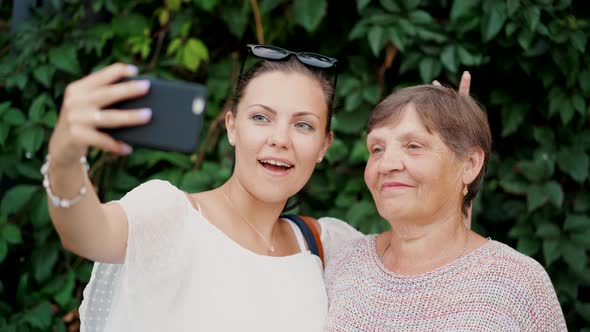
[{"x": 220, "y": 260}]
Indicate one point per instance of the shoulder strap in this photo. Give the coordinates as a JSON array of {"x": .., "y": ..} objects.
[{"x": 310, "y": 233}]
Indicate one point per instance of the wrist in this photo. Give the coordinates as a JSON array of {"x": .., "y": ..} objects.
[{"x": 58, "y": 201}]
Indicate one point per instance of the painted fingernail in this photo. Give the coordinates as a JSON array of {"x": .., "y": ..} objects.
[
  {"x": 126, "y": 149},
  {"x": 143, "y": 85},
  {"x": 466, "y": 73},
  {"x": 132, "y": 70},
  {"x": 145, "y": 114}
]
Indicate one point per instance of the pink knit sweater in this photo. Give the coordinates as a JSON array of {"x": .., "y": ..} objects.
[{"x": 494, "y": 288}]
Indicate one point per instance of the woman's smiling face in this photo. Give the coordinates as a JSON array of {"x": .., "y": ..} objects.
[
  {"x": 411, "y": 173},
  {"x": 279, "y": 133}
]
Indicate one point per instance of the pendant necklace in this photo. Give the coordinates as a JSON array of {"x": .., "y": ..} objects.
[{"x": 271, "y": 247}]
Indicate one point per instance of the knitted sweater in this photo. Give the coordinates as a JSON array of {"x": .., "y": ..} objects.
[{"x": 494, "y": 288}]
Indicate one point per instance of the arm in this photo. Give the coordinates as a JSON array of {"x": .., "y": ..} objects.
[{"x": 89, "y": 228}]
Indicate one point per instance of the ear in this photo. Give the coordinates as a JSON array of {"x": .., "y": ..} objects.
[
  {"x": 326, "y": 145},
  {"x": 472, "y": 165},
  {"x": 230, "y": 125}
]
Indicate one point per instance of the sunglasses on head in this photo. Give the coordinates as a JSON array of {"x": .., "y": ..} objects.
[{"x": 273, "y": 53}]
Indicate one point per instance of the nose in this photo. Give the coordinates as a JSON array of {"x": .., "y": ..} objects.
[
  {"x": 390, "y": 161},
  {"x": 279, "y": 138}
]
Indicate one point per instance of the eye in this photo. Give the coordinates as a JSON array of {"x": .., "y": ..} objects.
[
  {"x": 304, "y": 126},
  {"x": 259, "y": 118},
  {"x": 376, "y": 150},
  {"x": 413, "y": 146}
]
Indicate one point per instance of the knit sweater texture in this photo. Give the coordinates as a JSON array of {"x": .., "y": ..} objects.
[{"x": 493, "y": 288}]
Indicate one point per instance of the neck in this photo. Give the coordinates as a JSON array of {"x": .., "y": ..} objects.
[
  {"x": 260, "y": 214},
  {"x": 418, "y": 248}
]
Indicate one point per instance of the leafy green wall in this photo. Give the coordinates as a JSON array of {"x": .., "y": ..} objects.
[{"x": 529, "y": 68}]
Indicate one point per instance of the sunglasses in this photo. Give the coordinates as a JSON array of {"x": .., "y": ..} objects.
[{"x": 273, "y": 53}]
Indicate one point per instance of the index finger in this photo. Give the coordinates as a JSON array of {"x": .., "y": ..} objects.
[
  {"x": 107, "y": 75},
  {"x": 465, "y": 84}
]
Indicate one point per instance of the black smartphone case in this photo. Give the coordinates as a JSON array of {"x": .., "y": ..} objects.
[{"x": 177, "y": 116}]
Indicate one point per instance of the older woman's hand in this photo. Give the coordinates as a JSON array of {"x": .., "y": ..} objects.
[{"x": 464, "y": 85}]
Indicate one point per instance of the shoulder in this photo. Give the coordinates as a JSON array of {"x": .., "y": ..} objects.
[
  {"x": 152, "y": 198},
  {"x": 336, "y": 234},
  {"x": 525, "y": 273}
]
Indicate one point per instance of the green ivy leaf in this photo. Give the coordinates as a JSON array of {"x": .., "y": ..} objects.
[
  {"x": 521, "y": 231},
  {"x": 584, "y": 80},
  {"x": 535, "y": 197},
  {"x": 583, "y": 309},
  {"x": 582, "y": 239},
  {"x": 579, "y": 104},
  {"x": 3, "y": 250},
  {"x": 31, "y": 138},
  {"x": 528, "y": 246},
  {"x": 574, "y": 162},
  {"x": 43, "y": 259},
  {"x": 193, "y": 53},
  {"x": 513, "y": 116},
  {"x": 376, "y": 39},
  {"x": 429, "y": 69},
  {"x": 462, "y": 9},
  {"x": 44, "y": 74},
  {"x": 38, "y": 107},
  {"x": 309, "y": 13},
  {"x": 11, "y": 234},
  {"x": 67, "y": 288},
  {"x": 390, "y": 5},
  {"x": 40, "y": 316},
  {"x": 338, "y": 151},
  {"x": 532, "y": 15},
  {"x": 512, "y": 6},
  {"x": 208, "y": 5},
  {"x": 582, "y": 201},
  {"x": 548, "y": 230},
  {"x": 16, "y": 198},
  {"x": 555, "y": 192},
  {"x": 14, "y": 117},
  {"x": 576, "y": 222},
  {"x": 574, "y": 256},
  {"x": 361, "y": 4},
  {"x": 579, "y": 39},
  {"x": 65, "y": 58},
  {"x": 396, "y": 38},
  {"x": 4, "y": 131},
  {"x": 449, "y": 58},
  {"x": 493, "y": 21},
  {"x": 551, "y": 251}
]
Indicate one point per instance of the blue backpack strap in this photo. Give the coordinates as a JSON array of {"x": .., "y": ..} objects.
[{"x": 306, "y": 231}]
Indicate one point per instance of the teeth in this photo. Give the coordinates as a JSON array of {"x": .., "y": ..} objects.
[{"x": 276, "y": 163}]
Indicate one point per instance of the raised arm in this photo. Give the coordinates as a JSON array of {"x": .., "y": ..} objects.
[{"x": 87, "y": 227}]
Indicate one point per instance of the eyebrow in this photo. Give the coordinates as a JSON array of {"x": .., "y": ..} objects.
[{"x": 270, "y": 109}]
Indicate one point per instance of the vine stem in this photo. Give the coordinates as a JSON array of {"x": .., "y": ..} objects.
[{"x": 258, "y": 20}]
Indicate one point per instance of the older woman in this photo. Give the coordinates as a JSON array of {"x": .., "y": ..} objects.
[{"x": 429, "y": 147}]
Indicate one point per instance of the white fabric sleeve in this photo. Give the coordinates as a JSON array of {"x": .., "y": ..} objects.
[
  {"x": 335, "y": 235},
  {"x": 154, "y": 213}
]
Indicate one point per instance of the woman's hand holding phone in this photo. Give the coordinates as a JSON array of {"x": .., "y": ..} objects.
[{"x": 82, "y": 114}]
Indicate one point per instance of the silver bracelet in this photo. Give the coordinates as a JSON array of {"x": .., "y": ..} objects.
[{"x": 57, "y": 201}]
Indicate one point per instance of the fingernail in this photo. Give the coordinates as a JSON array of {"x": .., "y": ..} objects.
[
  {"x": 127, "y": 149},
  {"x": 145, "y": 113},
  {"x": 143, "y": 85},
  {"x": 132, "y": 70},
  {"x": 466, "y": 73}
]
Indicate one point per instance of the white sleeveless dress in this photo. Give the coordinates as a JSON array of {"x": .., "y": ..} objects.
[{"x": 181, "y": 273}]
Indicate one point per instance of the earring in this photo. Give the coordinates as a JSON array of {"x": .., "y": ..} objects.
[
  {"x": 465, "y": 191},
  {"x": 320, "y": 159},
  {"x": 231, "y": 142}
]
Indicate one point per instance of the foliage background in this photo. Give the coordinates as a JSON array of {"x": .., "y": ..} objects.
[{"x": 529, "y": 65}]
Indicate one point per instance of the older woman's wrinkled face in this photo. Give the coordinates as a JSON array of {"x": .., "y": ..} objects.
[{"x": 411, "y": 172}]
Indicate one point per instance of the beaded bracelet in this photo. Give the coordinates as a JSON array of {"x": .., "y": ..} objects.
[{"x": 59, "y": 201}]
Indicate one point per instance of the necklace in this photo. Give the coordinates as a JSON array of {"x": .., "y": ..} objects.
[
  {"x": 271, "y": 247},
  {"x": 460, "y": 254}
]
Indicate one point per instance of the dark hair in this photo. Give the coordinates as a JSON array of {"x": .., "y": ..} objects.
[
  {"x": 291, "y": 65},
  {"x": 458, "y": 119}
]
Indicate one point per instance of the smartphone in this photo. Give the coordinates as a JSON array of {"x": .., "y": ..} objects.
[{"x": 177, "y": 116}]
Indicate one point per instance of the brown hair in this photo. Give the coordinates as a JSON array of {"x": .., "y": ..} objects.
[
  {"x": 458, "y": 119},
  {"x": 291, "y": 65}
]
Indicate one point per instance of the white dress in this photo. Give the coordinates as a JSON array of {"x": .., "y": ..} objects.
[{"x": 181, "y": 273}]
